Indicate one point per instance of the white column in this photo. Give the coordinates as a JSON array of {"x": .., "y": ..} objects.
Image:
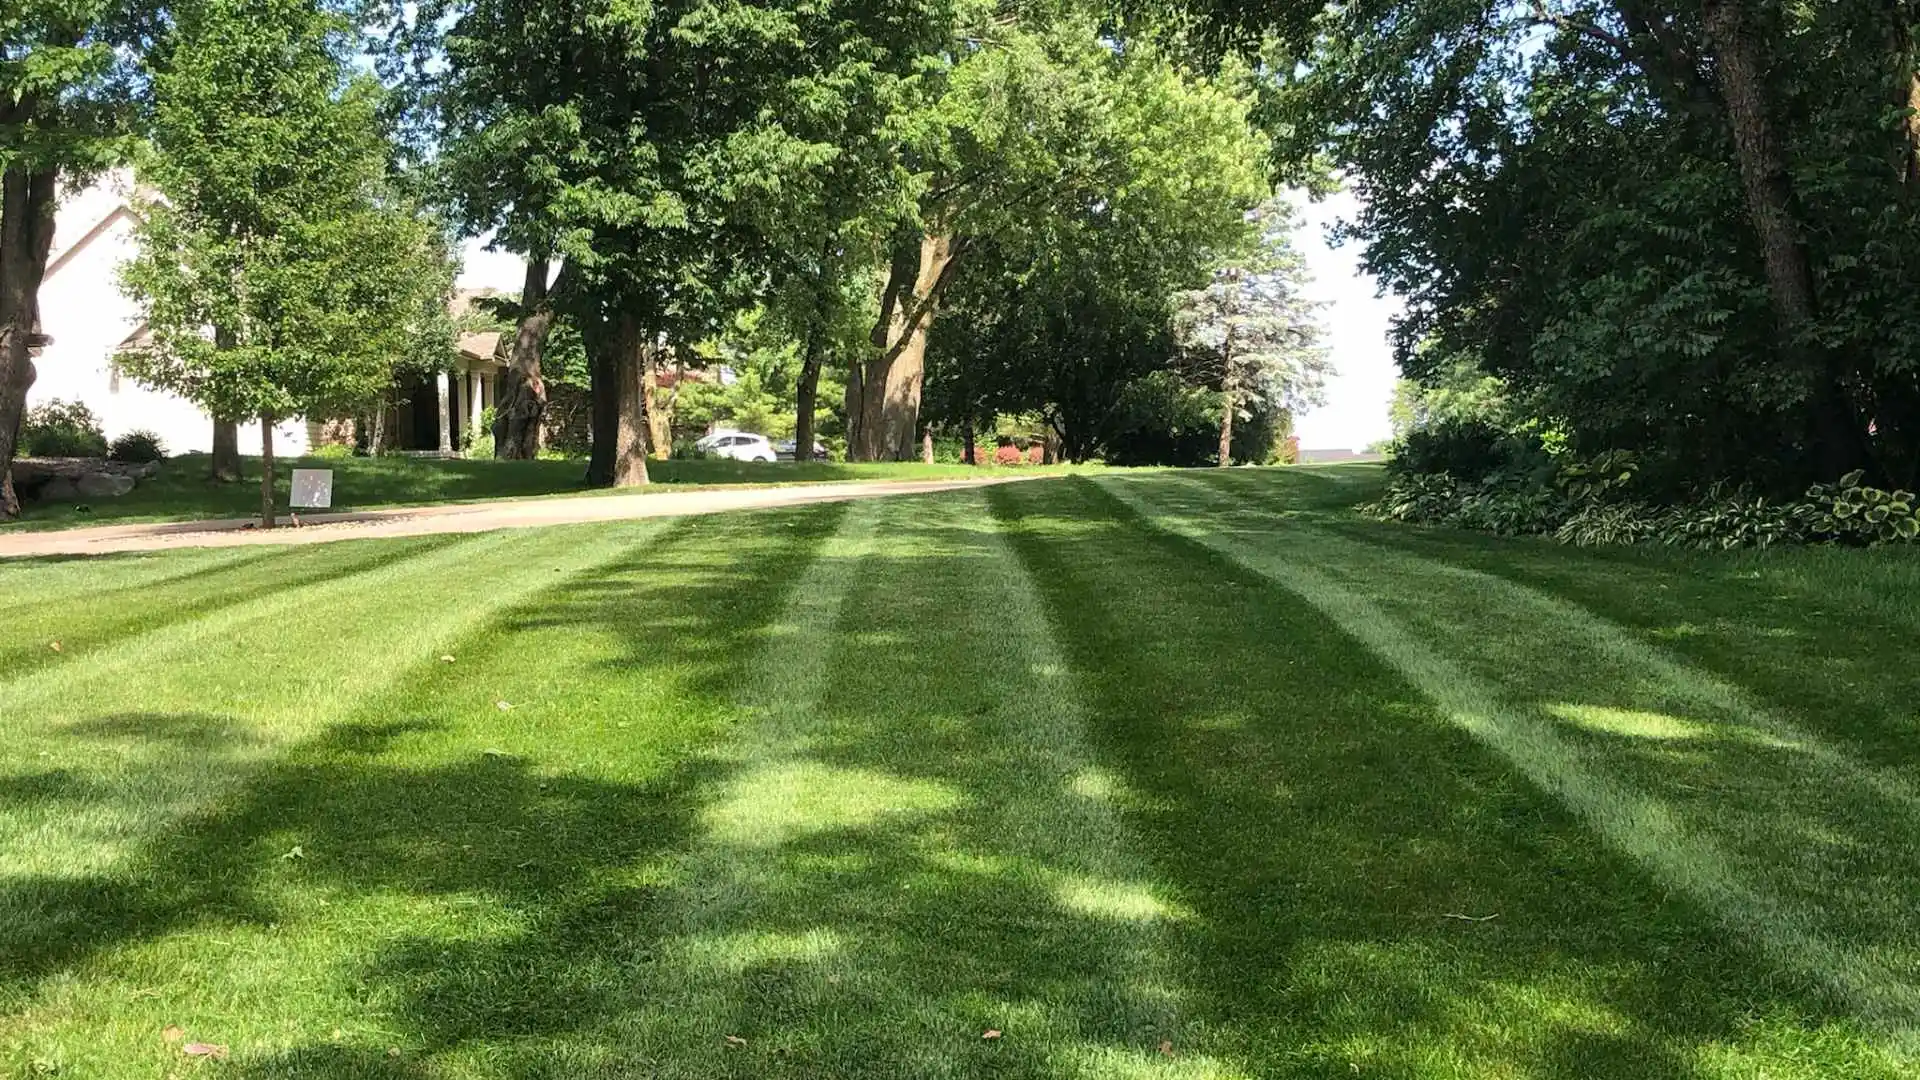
[
  {"x": 444, "y": 383},
  {"x": 473, "y": 399}
]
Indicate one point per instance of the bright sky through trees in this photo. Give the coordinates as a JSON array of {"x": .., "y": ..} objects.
[{"x": 1356, "y": 320}]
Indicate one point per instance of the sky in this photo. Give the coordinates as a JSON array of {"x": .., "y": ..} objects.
[
  {"x": 1356, "y": 321},
  {"x": 1355, "y": 318}
]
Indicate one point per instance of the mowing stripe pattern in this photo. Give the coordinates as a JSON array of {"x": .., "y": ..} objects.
[
  {"x": 1173, "y": 775},
  {"x": 1835, "y": 927}
]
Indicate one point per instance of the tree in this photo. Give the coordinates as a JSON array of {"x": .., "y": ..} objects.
[
  {"x": 279, "y": 273},
  {"x": 1255, "y": 332},
  {"x": 500, "y": 97},
  {"x": 66, "y": 87},
  {"x": 1046, "y": 134},
  {"x": 681, "y": 158},
  {"x": 1070, "y": 299},
  {"x": 1674, "y": 228}
]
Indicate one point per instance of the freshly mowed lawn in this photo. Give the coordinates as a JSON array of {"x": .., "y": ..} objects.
[
  {"x": 1182, "y": 775},
  {"x": 182, "y": 492}
]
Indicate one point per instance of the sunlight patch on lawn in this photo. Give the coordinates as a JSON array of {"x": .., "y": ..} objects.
[
  {"x": 1109, "y": 1063},
  {"x": 1662, "y": 727},
  {"x": 1095, "y": 783},
  {"x": 789, "y": 801},
  {"x": 1125, "y": 901},
  {"x": 1630, "y": 722},
  {"x": 744, "y": 950}
]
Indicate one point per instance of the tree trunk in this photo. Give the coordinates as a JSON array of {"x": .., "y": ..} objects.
[
  {"x": 522, "y": 402},
  {"x": 1226, "y": 433},
  {"x": 266, "y": 472},
  {"x": 603, "y": 405},
  {"x": 1740, "y": 69},
  {"x": 1230, "y": 405},
  {"x": 968, "y": 453},
  {"x": 635, "y": 358},
  {"x": 1835, "y": 441},
  {"x": 1906, "y": 90},
  {"x": 226, "y": 452},
  {"x": 807, "y": 395},
  {"x": 377, "y": 428},
  {"x": 224, "y": 467},
  {"x": 27, "y": 202},
  {"x": 926, "y": 446},
  {"x": 659, "y": 410},
  {"x": 883, "y": 399}
]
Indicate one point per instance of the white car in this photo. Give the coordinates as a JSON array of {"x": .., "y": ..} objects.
[{"x": 736, "y": 446}]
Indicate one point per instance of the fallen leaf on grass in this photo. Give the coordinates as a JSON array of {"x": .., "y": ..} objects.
[
  {"x": 735, "y": 1040},
  {"x": 393, "y": 1051},
  {"x": 503, "y": 706},
  {"x": 54, "y": 645},
  {"x": 1166, "y": 1047},
  {"x": 492, "y": 751},
  {"x": 446, "y": 659},
  {"x": 204, "y": 1050},
  {"x": 990, "y": 1033},
  {"x": 172, "y": 1033},
  {"x": 296, "y": 852}
]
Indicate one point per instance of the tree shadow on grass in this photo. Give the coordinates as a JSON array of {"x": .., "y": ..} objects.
[
  {"x": 1374, "y": 890},
  {"x": 920, "y": 866},
  {"x": 110, "y": 616},
  {"x": 418, "y": 806},
  {"x": 1802, "y": 843},
  {"x": 864, "y": 897},
  {"x": 1844, "y": 670}
]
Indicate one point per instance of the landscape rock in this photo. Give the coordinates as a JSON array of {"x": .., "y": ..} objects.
[
  {"x": 58, "y": 489},
  {"x": 59, "y": 479},
  {"x": 102, "y": 485}
]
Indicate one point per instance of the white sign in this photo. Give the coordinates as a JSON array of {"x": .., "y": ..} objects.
[{"x": 312, "y": 489}]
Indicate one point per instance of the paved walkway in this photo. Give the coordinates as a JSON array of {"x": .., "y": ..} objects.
[{"x": 458, "y": 517}]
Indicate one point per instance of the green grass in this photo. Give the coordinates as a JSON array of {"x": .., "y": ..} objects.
[
  {"x": 1108, "y": 765},
  {"x": 182, "y": 492}
]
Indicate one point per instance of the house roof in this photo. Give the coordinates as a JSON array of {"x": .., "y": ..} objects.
[
  {"x": 1330, "y": 457},
  {"x": 480, "y": 345}
]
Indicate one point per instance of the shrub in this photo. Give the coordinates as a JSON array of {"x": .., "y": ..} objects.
[
  {"x": 1734, "y": 521},
  {"x": 1583, "y": 509},
  {"x": 1600, "y": 524},
  {"x": 61, "y": 429},
  {"x": 137, "y": 447},
  {"x": 1465, "y": 450},
  {"x": 1511, "y": 509},
  {"x": 1603, "y": 476},
  {"x": 1847, "y": 511},
  {"x": 331, "y": 451},
  {"x": 1417, "y": 498}
]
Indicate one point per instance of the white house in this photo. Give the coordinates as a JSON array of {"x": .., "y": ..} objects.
[{"x": 89, "y": 320}]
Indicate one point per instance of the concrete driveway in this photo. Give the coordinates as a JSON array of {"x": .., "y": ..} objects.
[{"x": 460, "y": 517}]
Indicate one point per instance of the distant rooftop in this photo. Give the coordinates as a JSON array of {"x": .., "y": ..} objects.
[{"x": 1330, "y": 457}]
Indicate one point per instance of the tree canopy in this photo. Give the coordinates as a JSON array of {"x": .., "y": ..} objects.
[
  {"x": 69, "y": 81},
  {"x": 279, "y": 273},
  {"x": 1681, "y": 230}
]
